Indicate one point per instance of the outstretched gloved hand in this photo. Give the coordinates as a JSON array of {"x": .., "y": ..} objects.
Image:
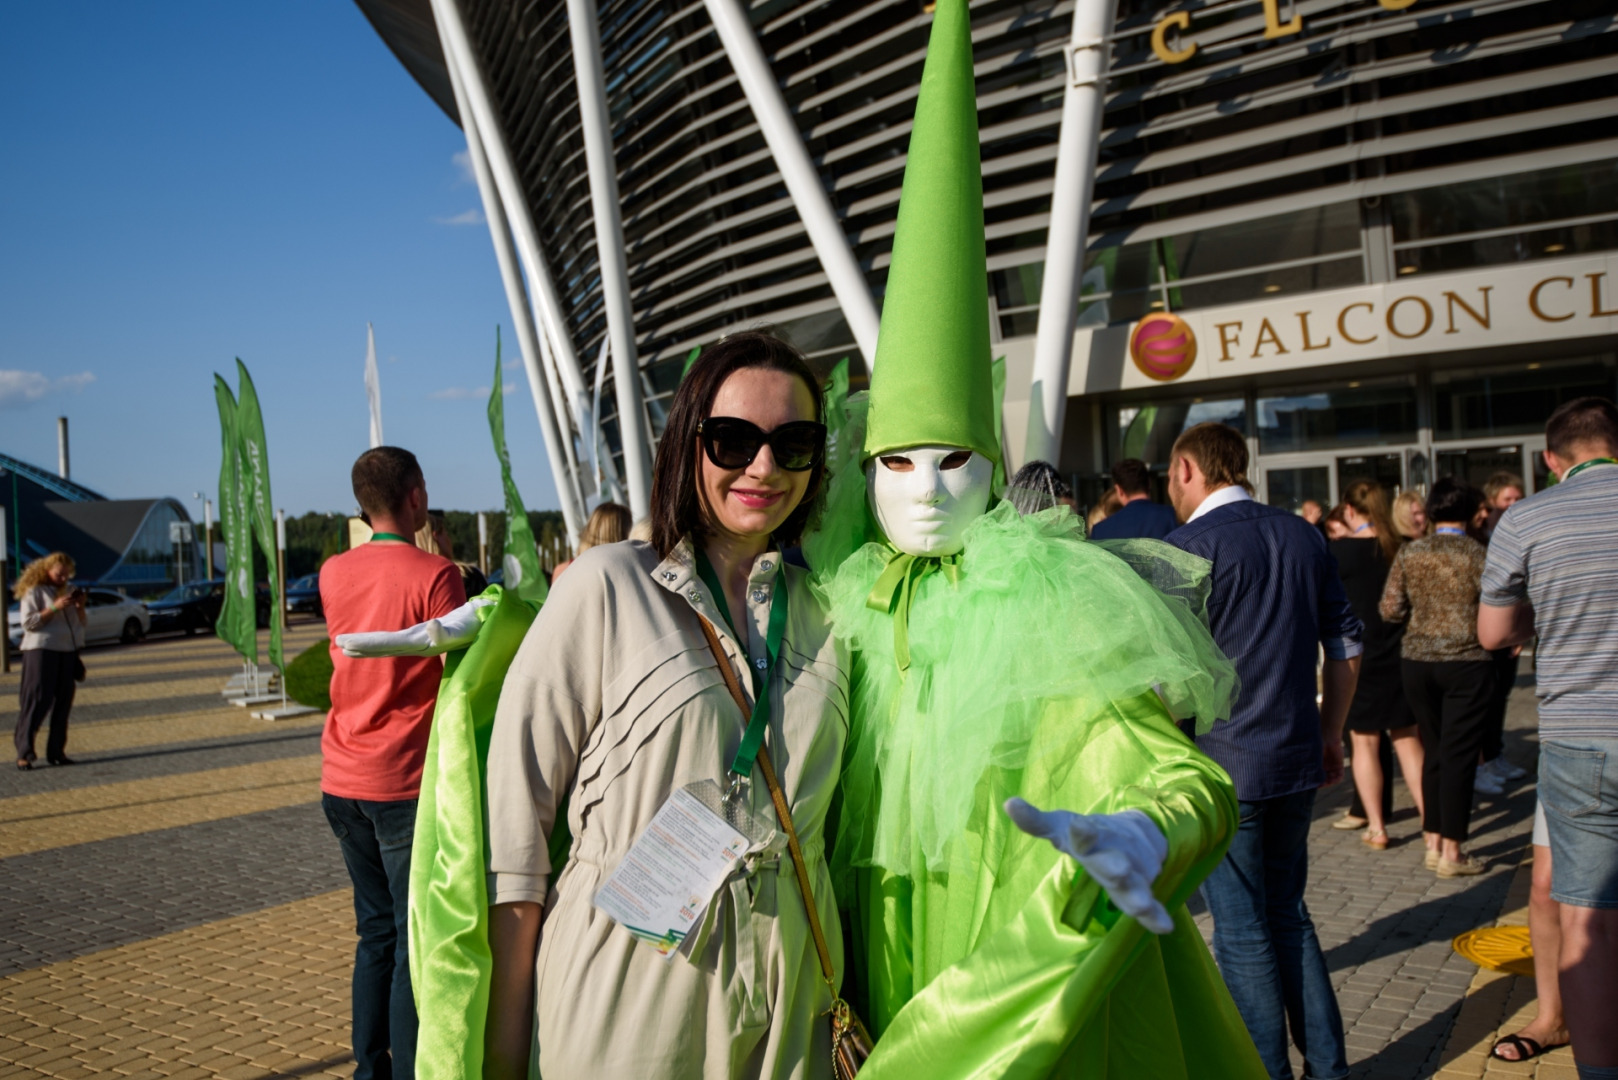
[
  {"x": 1123, "y": 852},
  {"x": 455, "y": 630}
]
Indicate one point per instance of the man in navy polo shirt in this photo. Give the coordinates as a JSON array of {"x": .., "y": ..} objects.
[
  {"x": 1276, "y": 599},
  {"x": 1138, "y": 516}
]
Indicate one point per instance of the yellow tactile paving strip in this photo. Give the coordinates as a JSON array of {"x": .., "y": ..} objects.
[
  {"x": 78, "y": 815},
  {"x": 225, "y": 722},
  {"x": 1498, "y": 1004},
  {"x": 256, "y": 996}
]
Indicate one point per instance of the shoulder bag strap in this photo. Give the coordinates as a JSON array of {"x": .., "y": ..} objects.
[{"x": 782, "y": 812}]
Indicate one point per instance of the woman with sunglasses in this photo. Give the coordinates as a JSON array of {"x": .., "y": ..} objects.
[{"x": 615, "y": 703}]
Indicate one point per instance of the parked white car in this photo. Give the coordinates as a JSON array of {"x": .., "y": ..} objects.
[{"x": 109, "y": 616}]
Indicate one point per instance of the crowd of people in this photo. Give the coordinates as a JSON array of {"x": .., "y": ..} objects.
[{"x": 1393, "y": 636}]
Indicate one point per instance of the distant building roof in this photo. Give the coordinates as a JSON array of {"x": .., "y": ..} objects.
[
  {"x": 118, "y": 542},
  {"x": 63, "y": 489}
]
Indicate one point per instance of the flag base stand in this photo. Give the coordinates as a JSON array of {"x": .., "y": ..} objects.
[
  {"x": 285, "y": 712},
  {"x": 253, "y": 682},
  {"x": 254, "y": 699}
]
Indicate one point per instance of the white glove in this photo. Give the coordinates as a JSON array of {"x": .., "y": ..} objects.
[
  {"x": 454, "y": 631},
  {"x": 1123, "y": 852}
]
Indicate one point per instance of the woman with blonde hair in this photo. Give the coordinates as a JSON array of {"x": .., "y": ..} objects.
[
  {"x": 1379, "y": 709},
  {"x": 1410, "y": 515},
  {"x": 609, "y": 523},
  {"x": 52, "y": 632}
]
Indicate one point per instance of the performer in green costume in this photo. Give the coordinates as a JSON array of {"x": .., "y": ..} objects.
[{"x": 1003, "y": 663}]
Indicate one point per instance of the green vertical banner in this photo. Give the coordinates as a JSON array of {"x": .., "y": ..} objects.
[
  {"x": 236, "y": 623},
  {"x": 260, "y": 507},
  {"x": 521, "y": 561}
]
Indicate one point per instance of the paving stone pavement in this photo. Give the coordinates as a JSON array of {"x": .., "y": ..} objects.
[{"x": 176, "y": 906}]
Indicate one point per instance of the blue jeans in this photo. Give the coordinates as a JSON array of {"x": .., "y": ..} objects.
[
  {"x": 376, "y": 839},
  {"x": 1578, "y": 787},
  {"x": 1265, "y": 941}
]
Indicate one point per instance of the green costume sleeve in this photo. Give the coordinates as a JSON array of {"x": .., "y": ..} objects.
[
  {"x": 1013, "y": 963},
  {"x": 450, "y": 962}
]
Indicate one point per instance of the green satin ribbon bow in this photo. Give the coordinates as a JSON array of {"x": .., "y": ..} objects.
[{"x": 896, "y": 587}]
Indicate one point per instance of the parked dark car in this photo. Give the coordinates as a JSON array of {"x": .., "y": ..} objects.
[
  {"x": 303, "y": 594},
  {"x": 195, "y": 606}
]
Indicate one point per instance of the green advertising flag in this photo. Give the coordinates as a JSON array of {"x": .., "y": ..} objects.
[
  {"x": 236, "y": 622},
  {"x": 521, "y": 561},
  {"x": 256, "y": 477}
]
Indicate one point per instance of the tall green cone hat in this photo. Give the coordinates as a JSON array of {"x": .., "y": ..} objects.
[{"x": 931, "y": 383}]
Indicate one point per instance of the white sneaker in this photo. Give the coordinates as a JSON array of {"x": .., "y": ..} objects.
[
  {"x": 1487, "y": 783},
  {"x": 1505, "y": 770}
]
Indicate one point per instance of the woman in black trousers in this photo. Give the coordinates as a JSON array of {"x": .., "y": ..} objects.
[
  {"x": 1379, "y": 718},
  {"x": 52, "y": 630},
  {"x": 1449, "y": 679}
]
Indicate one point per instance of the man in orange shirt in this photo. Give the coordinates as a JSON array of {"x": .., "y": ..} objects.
[{"x": 375, "y": 742}]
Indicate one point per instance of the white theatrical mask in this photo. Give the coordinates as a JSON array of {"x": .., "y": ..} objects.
[{"x": 924, "y": 497}]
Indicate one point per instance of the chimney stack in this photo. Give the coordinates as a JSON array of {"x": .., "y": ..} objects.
[{"x": 62, "y": 468}]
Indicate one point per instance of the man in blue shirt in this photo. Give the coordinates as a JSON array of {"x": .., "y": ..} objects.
[
  {"x": 1139, "y": 516},
  {"x": 1276, "y": 599}
]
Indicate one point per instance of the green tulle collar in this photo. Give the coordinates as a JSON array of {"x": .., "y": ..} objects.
[{"x": 895, "y": 589}]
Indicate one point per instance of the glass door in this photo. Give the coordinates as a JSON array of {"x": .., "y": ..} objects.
[
  {"x": 1288, "y": 481},
  {"x": 1383, "y": 468},
  {"x": 1475, "y": 464}
]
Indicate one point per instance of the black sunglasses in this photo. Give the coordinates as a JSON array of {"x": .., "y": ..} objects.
[{"x": 732, "y": 443}]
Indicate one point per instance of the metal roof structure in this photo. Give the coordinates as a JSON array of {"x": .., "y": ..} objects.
[{"x": 1245, "y": 147}]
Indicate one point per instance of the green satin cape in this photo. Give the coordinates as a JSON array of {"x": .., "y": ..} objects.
[
  {"x": 450, "y": 961},
  {"x": 1013, "y": 962}
]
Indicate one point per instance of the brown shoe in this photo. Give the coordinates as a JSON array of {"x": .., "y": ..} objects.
[
  {"x": 1375, "y": 839},
  {"x": 1465, "y": 866},
  {"x": 1431, "y": 859},
  {"x": 1349, "y": 822}
]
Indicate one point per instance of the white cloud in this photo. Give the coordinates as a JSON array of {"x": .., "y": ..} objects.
[
  {"x": 464, "y": 393},
  {"x": 22, "y": 388},
  {"x": 473, "y": 216},
  {"x": 463, "y": 165}
]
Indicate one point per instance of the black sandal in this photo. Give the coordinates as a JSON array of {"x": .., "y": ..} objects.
[
  {"x": 1528, "y": 1048},
  {"x": 25, "y": 766}
]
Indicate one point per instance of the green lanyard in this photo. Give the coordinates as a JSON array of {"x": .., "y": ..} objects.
[
  {"x": 1581, "y": 466},
  {"x": 390, "y": 536},
  {"x": 753, "y": 737}
]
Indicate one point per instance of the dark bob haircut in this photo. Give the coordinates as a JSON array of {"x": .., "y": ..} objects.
[
  {"x": 677, "y": 506},
  {"x": 1453, "y": 502}
]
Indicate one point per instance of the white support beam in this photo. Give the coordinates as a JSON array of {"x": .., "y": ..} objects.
[
  {"x": 803, "y": 180},
  {"x": 600, "y": 161},
  {"x": 505, "y": 254},
  {"x": 1077, "y": 146},
  {"x": 458, "y": 52}
]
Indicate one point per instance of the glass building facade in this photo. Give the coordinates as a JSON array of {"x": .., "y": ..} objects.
[{"x": 1252, "y": 152}]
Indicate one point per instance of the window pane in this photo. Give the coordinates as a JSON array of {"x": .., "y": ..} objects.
[
  {"x": 1337, "y": 274},
  {"x": 1148, "y": 431},
  {"x": 1319, "y": 230},
  {"x": 1289, "y": 489},
  {"x": 1515, "y": 400},
  {"x": 1346, "y": 416},
  {"x": 1517, "y": 247},
  {"x": 1505, "y": 201}
]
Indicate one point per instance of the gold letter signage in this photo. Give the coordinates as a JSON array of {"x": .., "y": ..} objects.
[{"x": 1273, "y": 27}]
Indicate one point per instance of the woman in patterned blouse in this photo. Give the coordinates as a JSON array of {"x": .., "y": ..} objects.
[{"x": 1434, "y": 586}]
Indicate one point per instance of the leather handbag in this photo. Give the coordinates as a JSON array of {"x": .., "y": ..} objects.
[{"x": 850, "y": 1042}]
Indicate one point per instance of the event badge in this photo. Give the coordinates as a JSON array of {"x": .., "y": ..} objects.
[{"x": 668, "y": 877}]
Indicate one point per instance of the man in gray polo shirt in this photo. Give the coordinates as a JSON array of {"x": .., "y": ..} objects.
[{"x": 1553, "y": 571}]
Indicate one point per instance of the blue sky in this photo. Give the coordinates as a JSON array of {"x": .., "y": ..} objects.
[{"x": 188, "y": 182}]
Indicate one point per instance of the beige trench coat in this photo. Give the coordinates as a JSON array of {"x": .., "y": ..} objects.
[{"x": 613, "y": 703}]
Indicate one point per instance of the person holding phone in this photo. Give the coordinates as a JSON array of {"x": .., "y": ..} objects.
[{"x": 52, "y": 632}]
